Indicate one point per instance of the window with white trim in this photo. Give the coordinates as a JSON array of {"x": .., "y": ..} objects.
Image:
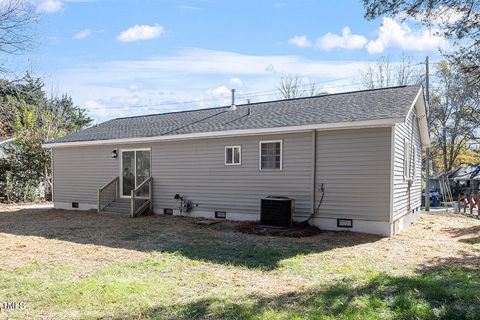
[
  {"x": 407, "y": 159},
  {"x": 233, "y": 155},
  {"x": 271, "y": 155}
]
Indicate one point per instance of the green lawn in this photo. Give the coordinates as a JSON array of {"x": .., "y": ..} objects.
[{"x": 69, "y": 265}]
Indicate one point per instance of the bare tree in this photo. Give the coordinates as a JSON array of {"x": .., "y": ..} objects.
[
  {"x": 295, "y": 86},
  {"x": 17, "y": 18},
  {"x": 454, "y": 115},
  {"x": 311, "y": 89},
  {"x": 386, "y": 73}
]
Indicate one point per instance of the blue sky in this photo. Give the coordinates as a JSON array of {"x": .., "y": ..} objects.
[{"x": 126, "y": 57}]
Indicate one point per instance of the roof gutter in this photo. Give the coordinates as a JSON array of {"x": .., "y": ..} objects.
[{"x": 234, "y": 133}]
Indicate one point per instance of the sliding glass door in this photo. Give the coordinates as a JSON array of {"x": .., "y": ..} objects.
[{"x": 135, "y": 168}]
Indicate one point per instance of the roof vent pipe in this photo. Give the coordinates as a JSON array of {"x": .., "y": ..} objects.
[{"x": 233, "y": 106}]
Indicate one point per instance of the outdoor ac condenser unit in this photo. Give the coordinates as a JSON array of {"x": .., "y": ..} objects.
[{"x": 276, "y": 211}]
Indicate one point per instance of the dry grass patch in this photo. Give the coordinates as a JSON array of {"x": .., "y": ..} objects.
[{"x": 67, "y": 264}]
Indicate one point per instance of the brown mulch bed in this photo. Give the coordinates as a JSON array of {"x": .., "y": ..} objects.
[{"x": 299, "y": 231}]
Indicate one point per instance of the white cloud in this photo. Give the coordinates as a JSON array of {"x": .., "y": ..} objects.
[
  {"x": 190, "y": 74},
  {"x": 346, "y": 41},
  {"x": 218, "y": 92},
  {"x": 279, "y": 5},
  {"x": 114, "y": 107},
  {"x": 49, "y": 6},
  {"x": 300, "y": 41},
  {"x": 83, "y": 34},
  {"x": 141, "y": 32},
  {"x": 101, "y": 110},
  {"x": 190, "y": 8},
  {"x": 395, "y": 35},
  {"x": 237, "y": 82},
  {"x": 270, "y": 68},
  {"x": 134, "y": 87},
  {"x": 195, "y": 61}
]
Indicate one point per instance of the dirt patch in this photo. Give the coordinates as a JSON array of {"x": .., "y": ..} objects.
[
  {"x": 174, "y": 260},
  {"x": 12, "y": 205},
  {"x": 91, "y": 240},
  {"x": 255, "y": 228}
]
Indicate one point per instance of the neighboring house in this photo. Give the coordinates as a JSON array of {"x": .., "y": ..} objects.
[
  {"x": 364, "y": 147},
  {"x": 4, "y": 142},
  {"x": 465, "y": 179}
]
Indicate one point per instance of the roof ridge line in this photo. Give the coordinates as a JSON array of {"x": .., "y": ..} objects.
[{"x": 269, "y": 101}]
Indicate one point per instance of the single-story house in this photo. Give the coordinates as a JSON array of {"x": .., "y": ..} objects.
[
  {"x": 361, "y": 149},
  {"x": 463, "y": 179}
]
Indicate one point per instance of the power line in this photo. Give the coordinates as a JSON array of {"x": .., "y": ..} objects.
[
  {"x": 310, "y": 83},
  {"x": 160, "y": 104},
  {"x": 245, "y": 96}
]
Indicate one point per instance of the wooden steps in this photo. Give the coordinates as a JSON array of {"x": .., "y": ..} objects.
[{"x": 120, "y": 206}]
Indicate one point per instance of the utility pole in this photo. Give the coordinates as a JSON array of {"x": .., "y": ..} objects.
[{"x": 427, "y": 149}]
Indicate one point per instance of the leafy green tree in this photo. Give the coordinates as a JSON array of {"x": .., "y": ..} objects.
[
  {"x": 33, "y": 118},
  {"x": 454, "y": 117}
]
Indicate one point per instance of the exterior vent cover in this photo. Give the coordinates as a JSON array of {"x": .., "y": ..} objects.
[
  {"x": 220, "y": 215},
  {"x": 344, "y": 223},
  {"x": 276, "y": 211}
]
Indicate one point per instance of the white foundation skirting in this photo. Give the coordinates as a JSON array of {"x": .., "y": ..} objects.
[
  {"x": 211, "y": 215},
  {"x": 68, "y": 206},
  {"x": 404, "y": 222},
  {"x": 375, "y": 227}
]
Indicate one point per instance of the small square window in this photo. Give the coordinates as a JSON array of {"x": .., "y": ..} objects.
[
  {"x": 233, "y": 155},
  {"x": 271, "y": 155}
]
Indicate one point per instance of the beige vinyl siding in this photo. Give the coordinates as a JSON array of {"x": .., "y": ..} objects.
[
  {"x": 354, "y": 166},
  {"x": 197, "y": 170},
  {"x": 410, "y": 131},
  {"x": 80, "y": 171}
]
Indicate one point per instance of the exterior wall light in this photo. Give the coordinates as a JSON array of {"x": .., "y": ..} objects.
[{"x": 114, "y": 153}]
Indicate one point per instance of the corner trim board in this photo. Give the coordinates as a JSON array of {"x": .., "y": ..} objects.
[{"x": 392, "y": 172}]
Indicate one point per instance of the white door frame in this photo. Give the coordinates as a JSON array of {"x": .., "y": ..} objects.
[{"x": 135, "y": 167}]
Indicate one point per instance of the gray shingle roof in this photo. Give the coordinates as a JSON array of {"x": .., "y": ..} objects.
[
  {"x": 333, "y": 108},
  {"x": 469, "y": 172}
]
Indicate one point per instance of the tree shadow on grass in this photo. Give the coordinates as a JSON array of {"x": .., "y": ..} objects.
[
  {"x": 470, "y": 235},
  {"x": 218, "y": 243},
  {"x": 446, "y": 292}
]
